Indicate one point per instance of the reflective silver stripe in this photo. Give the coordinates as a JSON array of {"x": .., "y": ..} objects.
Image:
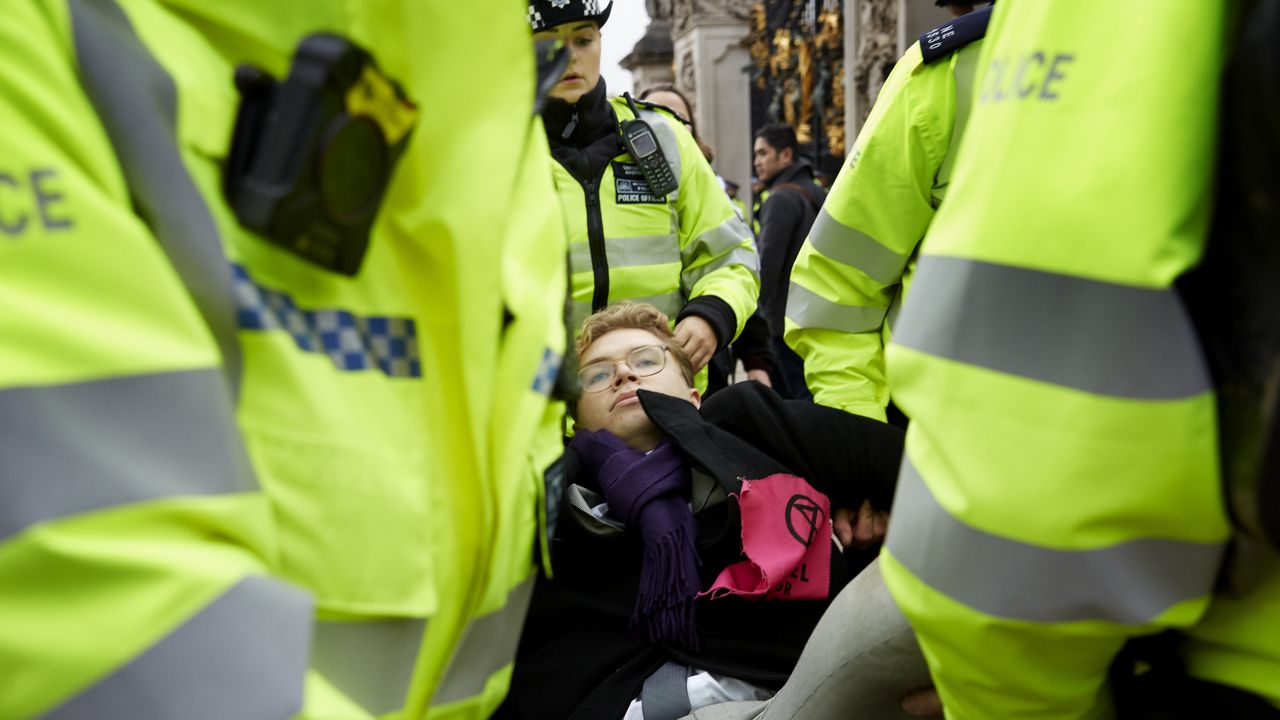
[
  {"x": 737, "y": 256},
  {"x": 242, "y": 656},
  {"x": 839, "y": 242},
  {"x": 488, "y": 645},
  {"x": 628, "y": 252},
  {"x": 1129, "y": 583},
  {"x": 67, "y": 449},
  {"x": 137, "y": 102},
  {"x": 718, "y": 240},
  {"x": 810, "y": 310},
  {"x": 669, "y": 303},
  {"x": 895, "y": 308},
  {"x": 370, "y": 661},
  {"x": 1089, "y": 335},
  {"x": 729, "y": 242},
  {"x": 966, "y": 69}
]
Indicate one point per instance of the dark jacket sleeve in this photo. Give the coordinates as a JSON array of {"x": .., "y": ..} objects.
[
  {"x": 846, "y": 456},
  {"x": 752, "y": 346}
]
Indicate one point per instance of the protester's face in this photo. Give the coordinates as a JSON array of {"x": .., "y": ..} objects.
[
  {"x": 767, "y": 161},
  {"x": 617, "y": 408},
  {"x": 583, "y": 41},
  {"x": 669, "y": 99}
]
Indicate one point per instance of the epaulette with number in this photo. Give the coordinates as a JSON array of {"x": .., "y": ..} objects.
[{"x": 947, "y": 38}]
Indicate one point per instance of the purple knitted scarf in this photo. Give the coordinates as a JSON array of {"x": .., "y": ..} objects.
[{"x": 649, "y": 491}]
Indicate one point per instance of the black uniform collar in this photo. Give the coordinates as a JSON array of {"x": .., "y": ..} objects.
[{"x": 581, "y": 124}]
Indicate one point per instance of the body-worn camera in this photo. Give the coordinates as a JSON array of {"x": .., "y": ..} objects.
[
  {"x": 311, "y": 156},
  {"x": 642, "y": 143}
]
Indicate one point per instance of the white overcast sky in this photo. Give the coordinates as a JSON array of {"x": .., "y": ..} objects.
[{"x": 626, "y": 25}]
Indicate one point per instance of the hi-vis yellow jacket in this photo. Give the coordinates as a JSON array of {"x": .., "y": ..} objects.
[
  {"x": 233, "y": 480},
  {"x": 1060, "y": 489},
  {"x": 647, "y": 249},
  {"x": 853, "y": 270}
]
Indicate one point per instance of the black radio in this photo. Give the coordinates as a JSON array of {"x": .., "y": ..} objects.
[
  {"x": 642, "y": 143},
  {"x": 312, "y": 156},
  {"x": 552, "y": 57}
]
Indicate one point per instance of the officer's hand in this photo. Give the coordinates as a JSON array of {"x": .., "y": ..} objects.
[
  {"x": 760, "y": 376},
  {"x": 923, "y": 703},
  {"x": 698, "y": 340},
  {"x": 862, "y": 529}
]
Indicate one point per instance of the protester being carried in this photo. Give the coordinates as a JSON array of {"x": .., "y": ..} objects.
[{"x": 693, "y": 553}]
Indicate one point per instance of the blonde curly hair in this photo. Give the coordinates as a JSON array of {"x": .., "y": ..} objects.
[{"x": 640, "y": 316}]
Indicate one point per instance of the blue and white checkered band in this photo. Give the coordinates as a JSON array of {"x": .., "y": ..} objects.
[
  {"x": 544, "y": 381},
  {"x": 352, "y": 342},
  {"x": 545, "y": 14}
]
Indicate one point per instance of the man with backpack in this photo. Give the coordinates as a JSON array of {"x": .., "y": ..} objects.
[{"x": 789, "y": 207}]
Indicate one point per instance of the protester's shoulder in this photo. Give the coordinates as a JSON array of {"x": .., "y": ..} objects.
[
  {"x": 739, "y": 399},
  {"x": 946, "y": 39},
  {"x": 749, "y": 408}
]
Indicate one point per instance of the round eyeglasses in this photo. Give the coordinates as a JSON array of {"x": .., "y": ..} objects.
[{"x": 644, "y": 361}]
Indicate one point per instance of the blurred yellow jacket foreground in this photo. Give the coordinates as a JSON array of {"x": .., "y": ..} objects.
[{"x": 232, "y": 478}]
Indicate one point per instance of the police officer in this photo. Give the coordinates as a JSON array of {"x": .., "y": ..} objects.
[
  {"x": 1060, "y": 491},
  {"x": 857, "y": 262},
  {"x": 686, "y": 251},
  {"x": 239, "y": 463}
]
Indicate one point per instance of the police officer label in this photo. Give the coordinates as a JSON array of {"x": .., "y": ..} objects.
[{"x": 631, "y": 186}]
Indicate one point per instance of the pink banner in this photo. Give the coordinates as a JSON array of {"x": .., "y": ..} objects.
[{"x": 786, "y": 536}]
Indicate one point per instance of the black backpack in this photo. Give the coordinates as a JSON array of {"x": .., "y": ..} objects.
[
  {"x": 1234, "y": 295},
  {"x": 1234, "y": 298}
]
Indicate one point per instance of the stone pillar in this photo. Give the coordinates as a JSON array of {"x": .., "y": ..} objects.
[
  {"x": 711, "y": 63},
  {"x": 915, "y": 17},
  {"x": 871, "y": 49},
  {"x": 877, "y": 33},
  {"x": 650, "y": 60}
]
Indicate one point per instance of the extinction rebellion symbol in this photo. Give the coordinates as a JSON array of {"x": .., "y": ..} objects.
[{"x": 804, "y": 519}]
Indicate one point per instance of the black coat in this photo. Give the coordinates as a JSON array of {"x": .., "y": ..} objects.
[
  {"x": 786, "y": 216},
  {"x": 578, "y": 658}
]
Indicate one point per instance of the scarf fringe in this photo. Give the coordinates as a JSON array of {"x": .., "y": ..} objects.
[{"x": 669, "y": 583}]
